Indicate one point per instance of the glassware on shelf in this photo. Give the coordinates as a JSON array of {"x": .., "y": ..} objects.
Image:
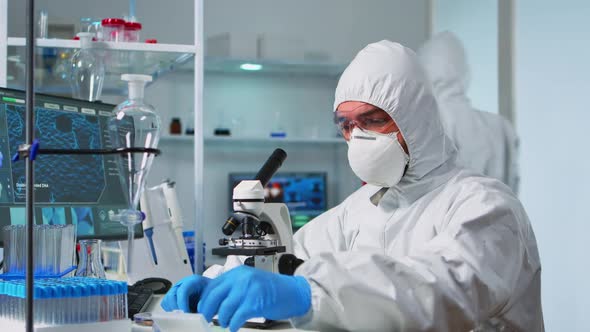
[
  {"x": 221, "y": 129},
  {"x": 85, "y": 23},
  {"x": 87, "y": 70},
  {"x": 42, "y": 24},
  {"x": 175, "y": 126},
  {"x": 90, "y": 264},
  {"x": 278, "y": 129},
  {"x": 93, "y": 25},
  {"x": 132, "y": 30},
  {"x": 190, "y": 123},
  {"x": 134, "y": 124},
  {"x": 113, "y": 29}
]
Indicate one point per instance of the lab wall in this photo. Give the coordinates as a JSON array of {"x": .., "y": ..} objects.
[
  {"x": 249, "y": 104},
  {"x": 154, "y": 14},
  {"x": 552, "y": 86},
  {"x": 301, "y": 117},
  {"x": 338, "y": 28},
  {"x": 476, "y": 24},
  {"x": 551, "y": 70}
]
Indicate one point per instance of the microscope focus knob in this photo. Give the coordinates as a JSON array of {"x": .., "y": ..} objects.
[
  {"x": 288, "y": 263},
  {"x": 249, "y": 261}
]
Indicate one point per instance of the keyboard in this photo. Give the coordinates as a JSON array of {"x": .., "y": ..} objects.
[{"x": 138, "y": 299}]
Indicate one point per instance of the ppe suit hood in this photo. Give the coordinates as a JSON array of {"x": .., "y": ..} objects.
[
  {"x": 388, "y": 75},
  {"x": 445, "y": 62}
]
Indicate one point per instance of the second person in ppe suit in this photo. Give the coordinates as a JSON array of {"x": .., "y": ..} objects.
[
  {"x": 424, "y": 246},
  {"x": 486, "y": 142}
]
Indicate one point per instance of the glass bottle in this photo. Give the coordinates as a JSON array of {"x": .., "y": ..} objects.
[
  {"x": 277, "y": 129},
  {"x": 190, "y": 123},
  {"x": 175, "y": 126},
  {"x": 90, "y": 264},
  {"x": 87, "y": 70}
]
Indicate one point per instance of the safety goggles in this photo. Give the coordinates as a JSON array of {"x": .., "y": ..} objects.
[{"x": 375, "y": 120}]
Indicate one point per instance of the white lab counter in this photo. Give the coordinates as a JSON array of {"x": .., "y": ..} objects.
[{"x": 155, "y": 307}]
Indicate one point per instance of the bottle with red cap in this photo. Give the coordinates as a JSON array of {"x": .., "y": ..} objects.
[
  {"x": 132, "y": 30},
  {"x": 113, "y": 29}
]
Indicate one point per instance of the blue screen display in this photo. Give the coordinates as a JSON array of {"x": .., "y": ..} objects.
[{"x": 69, "y": 189}]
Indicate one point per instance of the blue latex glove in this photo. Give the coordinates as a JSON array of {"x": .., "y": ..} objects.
[
  {"x": 246, "y": 292},
  {"x": 185, "y": 294}
]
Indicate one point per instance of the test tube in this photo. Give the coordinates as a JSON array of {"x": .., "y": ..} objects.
[
  {"x": 64, "y": 246},
  {"x": 20, "y": 249},
  {"x": 48, "y": 235},
  {"x": 14, "y": 236},
  {"x": 7, "y": 253},
  {"x": 58, "y": 241},
  {"x": 39, "y": 243}
]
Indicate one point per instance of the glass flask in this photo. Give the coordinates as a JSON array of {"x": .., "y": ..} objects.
[
  {"x": 87, "y": 70},
  {"x": 134, "y": 124},
  {"x": 90, "y": 264}
]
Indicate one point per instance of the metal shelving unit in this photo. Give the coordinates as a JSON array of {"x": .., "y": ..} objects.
[{"x": 155, "y": 60}]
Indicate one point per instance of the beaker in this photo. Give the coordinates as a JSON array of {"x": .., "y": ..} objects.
[{"x": 90, "y": 264}]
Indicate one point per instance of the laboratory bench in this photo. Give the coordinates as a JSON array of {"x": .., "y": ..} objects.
[{"x": 155, "y": 307}]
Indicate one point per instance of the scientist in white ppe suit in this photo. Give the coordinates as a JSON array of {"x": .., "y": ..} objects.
[
  {"x": 424, "y": 246},
  {"x": 486, "y": 142}
]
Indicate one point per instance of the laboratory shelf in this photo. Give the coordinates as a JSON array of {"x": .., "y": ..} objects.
[
  {"x": 142, "y": 47},
  {"x": 271, "y": 140},
  {"x": 273, "y": 67},
  {"x": 177, "y": 138},
  {"x": 120, "y": 58},
  {"x": 225, "y": 140}
]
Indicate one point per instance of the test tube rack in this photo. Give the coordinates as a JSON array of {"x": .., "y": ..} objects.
[{"x": 62, "y": 303}]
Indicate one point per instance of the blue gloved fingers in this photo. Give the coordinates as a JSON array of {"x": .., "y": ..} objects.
[
  {"x": 229, "y": 306},
  {"x": 244, "y": 312},
  {"x": 212, "y": 297},
  {"x": 169, "y": 302},
  {"x": 188, "y": 292}
]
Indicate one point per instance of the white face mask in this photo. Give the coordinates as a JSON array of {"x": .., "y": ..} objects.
[{"x": 377, "y": 159}]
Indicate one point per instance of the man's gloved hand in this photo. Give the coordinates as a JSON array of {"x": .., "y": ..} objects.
[
  {"x": 246, "y": 292},
  {"x": 185, "y": 294}
]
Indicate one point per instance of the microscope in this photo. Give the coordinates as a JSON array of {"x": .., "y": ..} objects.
[{"x": 265, "y": 233}]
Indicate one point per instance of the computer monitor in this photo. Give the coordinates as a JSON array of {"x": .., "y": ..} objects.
[
  {"x": 69, "y": 189},
  {"x": 304, "y": 193}
]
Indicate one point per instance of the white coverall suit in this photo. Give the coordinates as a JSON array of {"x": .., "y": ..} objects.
[
  {"x": 443, "y": 250},
  {"x": 486, "y": 142}
]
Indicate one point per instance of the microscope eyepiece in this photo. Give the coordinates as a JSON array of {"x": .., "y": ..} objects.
[{"x": 271, "y": 165}]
